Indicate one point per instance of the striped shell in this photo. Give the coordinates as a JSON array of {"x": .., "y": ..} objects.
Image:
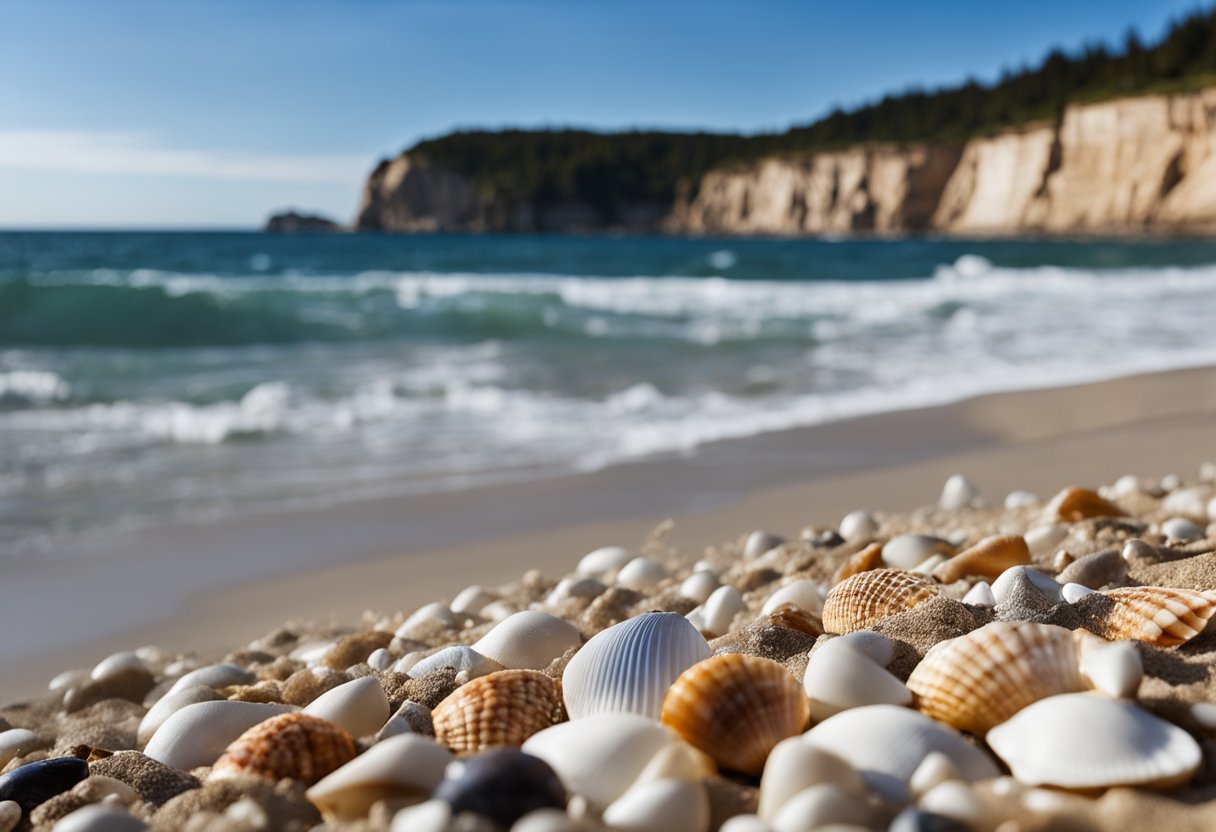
[
  {"x": 503, "y": 708},
  {"x": 988, "y": 559},
  {"x": 868, "y": 597},
  {"x": 1073, "y": 504},
  {"x": 863, "y": 561},
  {"x": 295, "y": 746},
  {"x": 735, "y": 708},
  {"x": 1157, "y": 615},
  {"x": 979, "y": 680}
]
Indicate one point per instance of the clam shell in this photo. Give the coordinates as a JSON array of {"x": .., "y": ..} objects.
[
  {"x": 1073, "y": 504},
  {"x": 868, "y": 558},
  {"x": 629, "y": 667},
  {"x": 359, "y": 706},
  {"x": 735, "y": 708},
  {"x": 979, "y": 680},
  {"x": 641, "y": 575},
  {"x": 699, "y": 586},
  {"x": 297, "y": 746},
  {"x": 503, "y": 708},
  {"x": 661, "y": 806},
  {"x": 1157, "y": 615},
  {"x": 987, "y": 559},
  {"x": 169, "y": 704},
  {"x": 840, "y": 676},
  {"x": 868, "y": 597},
  {"x": 1085, "y": 741},
  {"x": 214, "y": 676},
  {"x": 603, "y": 561},
  {"x": 528, "y": 640},
  {"x": 197, "y": 734},
  {"x": 721, "y": 608},
  {"x": 795, "y": 765},
  {"x": 404, "y": 767}
]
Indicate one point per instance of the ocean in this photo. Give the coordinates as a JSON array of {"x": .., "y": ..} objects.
[{"x": 148, "y": 378}]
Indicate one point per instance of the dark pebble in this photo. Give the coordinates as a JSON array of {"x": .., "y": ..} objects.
[
  {"x": 36, "y": 783},
  {"x": 912, "y": 820},
  {"x": 502, "y": 784}
]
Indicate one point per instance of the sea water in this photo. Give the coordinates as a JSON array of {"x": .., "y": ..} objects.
[{"x": 159, "y": 377}]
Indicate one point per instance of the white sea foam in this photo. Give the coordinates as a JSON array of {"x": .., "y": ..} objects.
[{"x": 36, "y": 386}]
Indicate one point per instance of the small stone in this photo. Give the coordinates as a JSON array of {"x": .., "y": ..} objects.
[
  {"x": 1204, "y": 714},
  {"x": 1021, "y": 499},
  {"x": 35, "y": 783},
  {"x": 858, "y": 525},
  {"x": 154, "y": 782},
  {"x": 1074, "y": 592},
  {"x": 10, "y": 815},
  {"x": 502, "y": 784},
  {"x": 906, "y": 551},
  {"x": 305, "y": 685},
  {"x": 959, "y": 493},
  {"x": 980, "y": 595},
  {"x": 760, "y": 542},
  {"x": 1181, "y": 529},
  {"x": 1096, "y": 570}
]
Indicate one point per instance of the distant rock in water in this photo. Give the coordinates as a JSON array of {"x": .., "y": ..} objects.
[{"x": 293, "y": 222}]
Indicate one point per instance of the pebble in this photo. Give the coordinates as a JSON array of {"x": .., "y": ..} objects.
[
  {"x": 820, "y": 805},
  {"x": 603, "y": 561},
  {"x": 10, "y": 815},
  {"x": 760, "y": 542},
  {"x": 17, "y": 742},
  {"x": 473, "y": 599},
  {"x": 1182, "y": 529},
  {"x": 858, "y": 525},
  {"x": 154, "y": 782},
  {"x": 546, "y": 820},
  {"x": 1074, "y": 592},
  {"x": 168, "y": 705},
  {"x": 1021, "y": 499},
  {"x": 980, "y": 595},
  {"x": 1188, "y": 502},
  {"x": 100, "y": 818},
  {"x": 699, "y": 586},
  {"x": 1043, "y": 539},
  {"x": 641, "y": 575},
  {"x": 35, "y": 783},
  {"x": 1204, "y": 713},
  {"x": 959, "y": 493},
  {"x": 1096, "y": 570},
  {"x": 214, "y": 676},
  {"x": 502, "y": 784},
  {"x": 430, "y": 816},
  {"x": 906, "y": 551},
  {"x": 721, "y": 608}
]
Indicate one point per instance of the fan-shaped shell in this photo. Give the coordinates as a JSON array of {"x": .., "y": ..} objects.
[
  {"x": 629, "y": 667},
  {"x": 1157, "y": 615},
  {"x": 503, "y": 708},
  {"x": 1086, "y": 741},
  {"x": 988, "y": 559},
  {"x": 979, "y": 680},
  {"x": 868, "y": 597},
  {"x": 735, "y": 708},
  {"x": 297, "y": 746},
  {"x": 1073, "y": 504}
]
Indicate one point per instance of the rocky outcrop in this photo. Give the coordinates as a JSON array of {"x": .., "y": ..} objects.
[{"x": 294, "y": 222}]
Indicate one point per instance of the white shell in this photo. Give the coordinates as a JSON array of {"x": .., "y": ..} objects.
[
  {"x": 117, "y": 663},
  {"x": 795, "y": 765},
  {"x": 1071, "y": 592},
  {"x": 406, "y": 764},
  {"x": 472, "y": 599},
  {"x": 603, "y": 561},
  {"x": 167, "y": 705},
  {"x": 600, "y": 758},
  {"x": 699, "y": 586},
  {"x": 1087, "y": 741},
  {"x": 858, "y": 525},
  {"x": 1204, "y": 713},
  {"x": 821, "y": 806},
  {"x": 1126, "y": 485},
  {"x": 759, "y": 543},
  {"x": 65, "y": 680},
  {"x": 197, "y": 734},
  {"x": 17, "y": 742},
  {"x": 359, "y": 706},
  {"x": 432, "y": 816},
  {"x": 980, "y": 595},
  {"x": 380, "y": 659},
  {"x": 1021, "y": 499},
  {"x": 934, "y": 770},
  {"x": 99, "y": 817},
  {"x": 679, "y": 761},
  {"x": 839, "y": 676},
  {"x": 742, "y": 823},
  {"x": 959, "y": 492},
  {"x": 546, "y": 820},
  {"x": 1020, "y": 576},
  {"x": 802, "y": 592},
  {"x": 430, "y": 612},
  {"x": 661, "y": 806},
  {"x": 886, "y": 743},
  {"x": 463, "y": 659},
  {"x": 906, "y": 551},
  {"x": 528, "y": 640},
  {"x": 214, "y": 676},
  {"x": 955, "y": 800},
  {"x": 629, "y": 667},
  {"x": 1112, "y": 667},
  {"x": 721, "y": 608},
  {"x": 1043, "y": 539},
  {"x": 498, "y": 611},
  {"x": 1179, "y": 528},
  {"x": 641, "y": 574},
  {"x": 575, "y": 587}
]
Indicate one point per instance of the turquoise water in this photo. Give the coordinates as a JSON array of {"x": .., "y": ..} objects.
[{"x": 147, "y": 377}]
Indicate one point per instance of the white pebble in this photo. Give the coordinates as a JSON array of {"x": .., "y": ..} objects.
[
  {"x": 1075, "y": 592},
  {"x": 908, "y": 550},
  {"x": 545, "y": 820},
  {"x": 1171, "y": 482},
  {"x": 742, "y": 823},
  {"x": 699, "y": 586},
  {"x": 434, "y": 611},
  {"x": 67, "y": 679},
  {"x": 953, "y": 799},
  {"x": 603, "y": 561},
  {"x": 575, "y": 587},
  {"x": 214, "y": 676},
  {"x": 17, "y": 742},
  {"x": 839, "y": 676},
  {"x": 1021, "y": 499},
  {"x": 858, "y": 525},
  {"x": 661, "y": 806},
  {"x": 1212, "y": 509},
  {"x": 980, "y": 595},
  {"x": 934, "y": 770},
  {"x": 958, "y": 493},
  {"x": 99, "y": 817},
  {"x": 795, "y": 765},
  {"x": 641, "y": 575},
  {"x": 758, "y": 543},
  {"x": 721, "y": 608},
  {"x": 1188, "y": 502},
  {"x": 431, "y": 816},
  {"x": 472, "y": 599},
  {"x": 1181, "y": 529},
  {"x": 802, "y": 593},
  {"x": 1126, "y": 485},
  {"x": 1204, "y": 713},
  {"x": 117, "y": 663},
  {"x": 926, "y": 566},
  {"x": 528, "y": 640},
  {"x": 1207, "y": 472},
  {"x": 1042, "y": 539},
  {"x": 1112, "y": 667},
  {"x": 705, "y": 566},
  {"x": 380, "y": 659},
  {"x": 821, "y": 805}
]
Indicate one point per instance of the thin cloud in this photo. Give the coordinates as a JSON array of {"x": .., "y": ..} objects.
[{"x": 116, "y": 153}]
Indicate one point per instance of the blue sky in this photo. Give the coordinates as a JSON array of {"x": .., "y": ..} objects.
[{"x": 212, "y": 113}]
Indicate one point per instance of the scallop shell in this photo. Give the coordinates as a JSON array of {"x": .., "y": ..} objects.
[
  {"x": 297, "y": 746},
  {"x": 735, "y": 708},
  {"x": 987, "y": 559},
  {"x": 503, "y": 708},
  {"x": 629, "y": 667},
  {"x": 1157, "y": 615},
  {"x": 1085, "y": 741},
  {"x": 197, "y": 734},
  {"x": 528, "y": 640},
  {"x": 979, "y": 680},
  {"x": 404, "y": 767},
  {"x": 1073, "y": 504},
  {"x": 868, "y": 558},
  {"x": 359, "y": 706},
  {"x": 868, "y": 597}
]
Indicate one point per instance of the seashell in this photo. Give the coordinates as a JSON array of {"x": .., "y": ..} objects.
[
  {"x": 794, "y": 617},
  {"x": 472, "y": 599},
  {"x": 600, "y": 758},
  {"x": 117, "y": 663},
  {"x": 1021, "y": 585},
  {"x": 528, "y": 640},
  {"x": 980, "y": 679},
  {"x": 167, "y": 705},
  {"x": 863, "y": 561},
  {"x": 1181, "y": 529},
  {"x": 821, "y": 806},
  {"x": 1020, "y": 499},
  {"x": 759, "y": 543},
  {"x": 433, "y": 612},
  {"x": 1212, "y": 509},
  {"x": 1157, "y": 615},
  {"x": 840, "y": 676},
  {"x": 927, "y": 566},
  {"x": 988, "y": 559},
  {"x": 380, "y": 659},
  {"x": 99, "y": 817},
  {"x": 574, "y": 588},
  {"x": 67, "y": 679},
  {"x": 197, "y": 734},
  {"x": 1073, "y": 504},
  {"x": 908, "y": 550},
  {"x": 503, "y": 708},
  {"x": 1085, "y": 741},
  {"x": 629, "y": 667},
  {"x": 214, "y": 676},
  {"x": 1188, "y": 502},
  {"x": 959, "y": 493},
  {"x": 1095, "y": 570},
  {"x": 661, "y": 806},
  {"x": 801, "y": 593},
  {"x": 980, "y": 595},
  {"x": 32, "y": 784},
  {"x": 735, "y": 708},
  {"x": 1112, "y": 667},
  {"x": 934, "y": 770},
  {"x": 795, "y": 765},
  {"x": 886, "y": 743},
  {"x": 498, "y": 611},
  {"x": 1204, "y": 714},
  {"x": 721, "y": 608},
  {"x": 746, "y": 823},
  {"x": 641, "y": 575},
  {"x": 297, "y": 746},
  {"x": 1074, "y": 592},
  {"x": 359, "y": 706},
  {"x": 956, "y": 801},
  {"x": 431, "y": 816},
  {"x": 1043, "y": 539},
  {"x": 463, "y": 659},
  {"x": 17, "y": 742},
  {"x": 502, "y": 784},
  {"x": 603, "y": 561},
  {"x": 699, "y": 586},
  {"x": 868, "y": 597},
  {"x": 858, "y": 525},
  {"x": 405, "y": 767},
  {"x": 678, "y": 761}
]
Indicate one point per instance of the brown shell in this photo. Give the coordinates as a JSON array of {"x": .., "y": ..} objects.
[
  {"x": 988, "y": 558},
  {"x": 1158, "y": 615},
  {"x": 1073, "y": 504},
  {"x": 295, "y": 746},
  {"x": 978, "y": 680},
  {"x": 735, "y": 708},
  {"x": 790, "y": 616},
  {"x": 862, "y": 561},
  {"x": 501, "y": 708},
  {"x": 871, "y": 596}
]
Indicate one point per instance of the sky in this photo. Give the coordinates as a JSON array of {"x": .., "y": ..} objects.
[{"x": 215, "y": 113}]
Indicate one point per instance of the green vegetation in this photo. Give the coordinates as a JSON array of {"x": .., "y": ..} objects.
[{"x": 609, "y": 170}]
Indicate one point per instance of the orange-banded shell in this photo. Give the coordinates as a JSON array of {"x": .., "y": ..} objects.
[
  {"x": 868, "y": 597},
  {"x": 978, "y": 680},
  {"x": 503, "y": 708},
  {"x": 988, "y": 558},
  {"x": 295, "y": 746},
  {"x": 735, "y": 708},
  {"x": 1073, "y": 504},
  {"x": 863, "y": 561},
  {"x": 1158, "y": 615},
  {"x": 793, "y": 617}
]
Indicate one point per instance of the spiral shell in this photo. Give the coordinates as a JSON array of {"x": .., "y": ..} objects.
[
  {"x": 735, "y": 708},
  {"x": 868, "y": 597},
  {"x": 1157, "y": 615},
  {"x": 1073, "y": 504},
  {"x": 295, "y": 746},
  {"x": 979, "y": 680},
  {"x": 503, "y": 708}
]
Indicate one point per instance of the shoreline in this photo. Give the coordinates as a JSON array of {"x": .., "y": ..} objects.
[{"x": 231, "y": 582}]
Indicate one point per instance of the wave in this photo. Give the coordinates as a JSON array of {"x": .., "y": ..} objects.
[{"x": 32, "y": 387}]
